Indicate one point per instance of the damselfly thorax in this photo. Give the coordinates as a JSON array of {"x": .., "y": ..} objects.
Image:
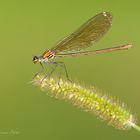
[{"x": 45, "y": 57}]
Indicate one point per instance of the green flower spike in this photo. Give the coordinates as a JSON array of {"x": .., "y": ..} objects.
[{"x": 90, "y": 100}]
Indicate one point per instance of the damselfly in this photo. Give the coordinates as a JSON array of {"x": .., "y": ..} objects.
[{"x": 84, "y": 37}]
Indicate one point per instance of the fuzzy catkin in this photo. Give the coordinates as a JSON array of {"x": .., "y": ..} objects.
[{"x": 90, "y": 100}]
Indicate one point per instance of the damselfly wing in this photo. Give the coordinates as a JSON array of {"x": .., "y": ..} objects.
[{"x": 86, "y": 35}]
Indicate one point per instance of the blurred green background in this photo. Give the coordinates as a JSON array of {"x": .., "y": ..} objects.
[{"x": 29, "y": 27}]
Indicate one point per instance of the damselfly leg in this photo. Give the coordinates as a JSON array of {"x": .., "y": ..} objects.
[
  {"x": 41, "y": 71},
  {"x": 63, "y": 66},
  {"x": 49, "y": 73},
  {"x": 56, "y": 64}
]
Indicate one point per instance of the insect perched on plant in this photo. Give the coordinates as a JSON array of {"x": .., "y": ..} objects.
[{"x": 84, "y": 37}]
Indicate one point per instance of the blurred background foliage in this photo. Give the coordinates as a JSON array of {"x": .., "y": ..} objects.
[{"x": 29, "y": 27}]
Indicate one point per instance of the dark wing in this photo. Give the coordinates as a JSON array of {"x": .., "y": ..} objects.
[{"x": 86, "y": 35}]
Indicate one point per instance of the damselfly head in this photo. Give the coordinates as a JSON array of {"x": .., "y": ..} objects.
[{"x": 35, "y": 59}]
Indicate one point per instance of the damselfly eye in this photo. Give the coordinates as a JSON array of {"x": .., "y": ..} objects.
[{"x": 35, "y": 59}]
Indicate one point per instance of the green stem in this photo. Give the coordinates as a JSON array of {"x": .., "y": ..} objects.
[{"x": 135, "y": 126}]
